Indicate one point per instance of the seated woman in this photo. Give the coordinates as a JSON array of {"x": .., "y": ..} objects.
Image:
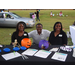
[
  {"x": 58, "y": 36},
  {"x": 19, "y": 34}
]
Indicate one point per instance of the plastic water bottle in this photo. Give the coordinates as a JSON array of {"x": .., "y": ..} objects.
[{"x": 73, "y": 51}]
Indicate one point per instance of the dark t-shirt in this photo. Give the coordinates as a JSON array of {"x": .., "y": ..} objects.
[
  {"x": 37, "y": 13},
  {"x": 60, "y": 39},
  {"x": 19, "y": 38}
]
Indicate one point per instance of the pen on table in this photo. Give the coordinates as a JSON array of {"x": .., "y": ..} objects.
[
  {"x": 26, "y": 57},
  {"x": 22, "y": 57},
  {"x": 59, "y": 49},
  {"x": 14, "y": 52}
]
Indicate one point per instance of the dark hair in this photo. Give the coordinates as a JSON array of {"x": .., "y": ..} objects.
[
  {"x": 56, "y": 24},
  {"x": 74, "y": 23},
  {"x": 39, "y": 24},
  {"x": 18, "y": 25}
]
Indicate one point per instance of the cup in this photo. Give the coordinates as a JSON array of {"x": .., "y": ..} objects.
[{"x": 73, "y": 52}]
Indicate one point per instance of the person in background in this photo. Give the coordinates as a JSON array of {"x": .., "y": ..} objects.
[
  {"x": 33, "y": 17},
  {"x": 37, "y": 15},
  {"x": 60, "y": 14},
  {"x": 51, "y": 14},
  {"x": 58, "y": 36},
  {"x": 73, "y": 24},
  {"x": 2, "y": 10},
  {"x": 39, "y": 34},
  {"x": 39, "y": 10},
  {"x": 68, "y": 32},
  {"x": 19, "y": 34}
]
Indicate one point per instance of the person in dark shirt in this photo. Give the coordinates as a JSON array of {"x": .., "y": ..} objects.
[
  {"x": 37, "y": 15},
  {"x": 73, "y": 24},
  {"x": 58, "y": 36},
  {"x": 19, "y": 34}
]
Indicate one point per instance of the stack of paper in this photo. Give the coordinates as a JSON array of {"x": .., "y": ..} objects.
[
  {"x": 30, "y": 52},
  {"x": 11, "y": 55},
  {"x": 54, "y": 49},
  {"x": 59, "y": 56},
  {"x": 42, "y": 53}
]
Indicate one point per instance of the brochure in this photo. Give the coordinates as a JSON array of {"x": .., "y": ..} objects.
[
  {"x": 59, "y": 56},
  {"x": 30, "y": 52},
  {"x": 11, "y": 55},
  {"x": 42, "y": 53}
]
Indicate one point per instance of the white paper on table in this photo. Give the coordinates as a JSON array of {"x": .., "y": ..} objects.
[
  {"x": 69, "y": 46},
  {"x": 42, "y": 53},
  {"x": 54, "y": 49},
  {"x": 30, "y": 52},
  {"x": 11, "y": 55},
  {"x": 59, "y": 56}
]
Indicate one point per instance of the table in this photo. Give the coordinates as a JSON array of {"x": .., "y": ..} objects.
[
  {"x": 72, "y": 31},
  {"x": 36, "y": 60}
]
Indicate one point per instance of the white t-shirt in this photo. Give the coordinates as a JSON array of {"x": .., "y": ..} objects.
[{"x": 36, "y": 37}]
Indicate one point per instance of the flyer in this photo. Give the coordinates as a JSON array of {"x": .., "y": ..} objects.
[{"x": 59, "y": 56}]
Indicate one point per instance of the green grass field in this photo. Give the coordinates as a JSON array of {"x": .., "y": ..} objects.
[{"x": 46, "y": 20}]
